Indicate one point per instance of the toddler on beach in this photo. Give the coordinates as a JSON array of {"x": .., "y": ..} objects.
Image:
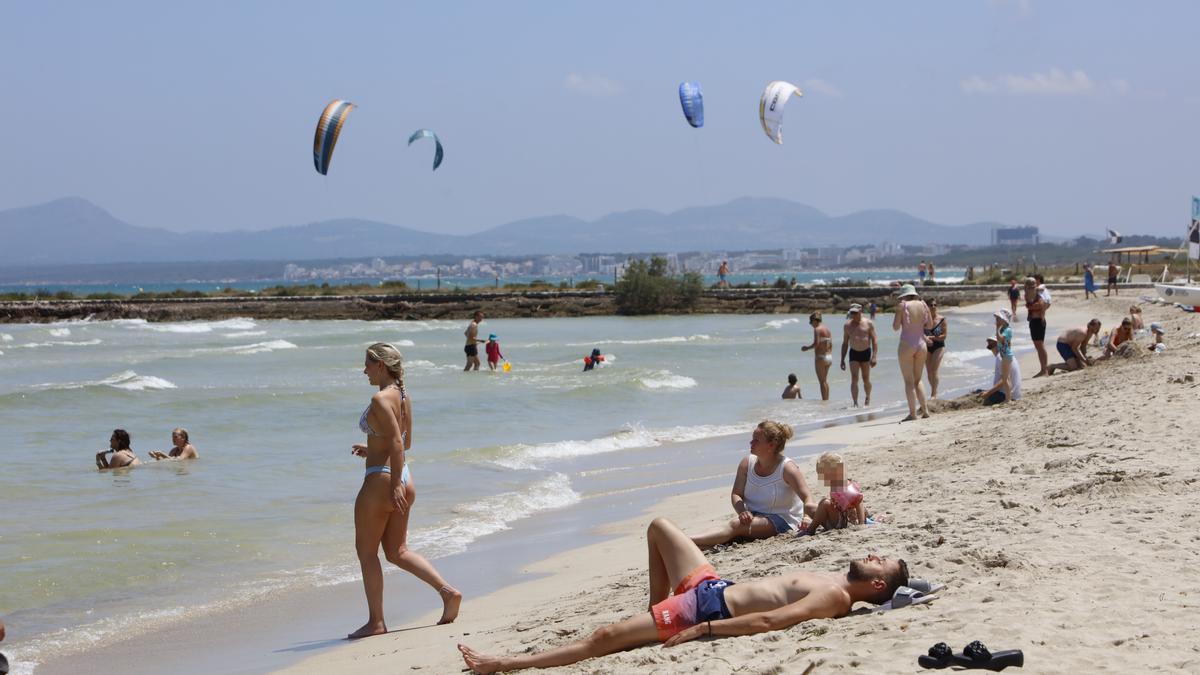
[
  {"x": 493, "y": 352},
  {"x": 844, "y": 505}
]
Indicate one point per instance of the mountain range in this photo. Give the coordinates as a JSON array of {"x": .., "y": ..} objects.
[{"x": 74, "y": 230}]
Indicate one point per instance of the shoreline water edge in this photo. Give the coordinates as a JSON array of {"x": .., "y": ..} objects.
[{"x": 277, "y": 632}]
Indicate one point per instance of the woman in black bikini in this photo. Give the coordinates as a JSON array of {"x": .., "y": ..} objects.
[
  {"x": 1014, "y": 294},
  {"x": 935, "y": 340},
  {"x": 1036, "y": 306}
]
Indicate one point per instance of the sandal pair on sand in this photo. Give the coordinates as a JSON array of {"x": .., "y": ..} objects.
[{"x": 974, "y": 656}]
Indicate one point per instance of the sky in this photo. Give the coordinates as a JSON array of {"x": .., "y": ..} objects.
[{"x": 1072, "y": 116}]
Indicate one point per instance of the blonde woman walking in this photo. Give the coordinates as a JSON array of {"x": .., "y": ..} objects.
[
  {"x": 911, "y": 319},
  {"x": 387, "y": 494}
]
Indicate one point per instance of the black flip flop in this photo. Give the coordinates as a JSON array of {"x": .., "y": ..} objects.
[
  {"x": 975, "y": 656},
  {"x": 3, "y": 665}
]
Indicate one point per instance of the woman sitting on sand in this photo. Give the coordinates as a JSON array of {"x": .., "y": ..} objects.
[
  {"x": 911, "y": 319},
  {"x": 382, "y": 507},
  {"x": 181, "y": 447},
  {"x": 122, "y": 455},
  {"x": 769, "y": 494}
]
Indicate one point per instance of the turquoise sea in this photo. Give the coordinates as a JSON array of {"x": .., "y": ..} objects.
[{"x": 272, "y": 406}]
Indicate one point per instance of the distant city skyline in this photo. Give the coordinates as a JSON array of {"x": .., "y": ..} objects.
[{"x": 1070, "y": 116}]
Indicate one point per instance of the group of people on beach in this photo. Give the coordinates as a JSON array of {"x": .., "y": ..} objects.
[
  {"x": 120, "y": 454},
  {"x": 923, "y": 334}
]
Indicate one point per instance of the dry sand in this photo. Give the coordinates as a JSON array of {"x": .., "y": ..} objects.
[{"x": 1063, "y": 525}]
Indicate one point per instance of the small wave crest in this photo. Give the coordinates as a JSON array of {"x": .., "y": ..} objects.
[
  {"x": 258, "y": 347},
  {"x": 777, "y": 324},
  {"x": 665, "y": 379},
  {"x": 61, "y": 343},
  {"x": 648, "y": 341},
  {"x": 235, "y": 324},
  {"x": 245, "y": 334},
  {"x": 5, "y": 337},
  {"x": 60, "y": 332},
  {"x": 524, "y": 456},
  {"x": 127, "y": 380}
]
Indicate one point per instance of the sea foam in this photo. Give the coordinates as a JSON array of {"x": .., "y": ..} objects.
[
  {"x": 665, "y": 379},
  {"x": 127, "y": 380}
]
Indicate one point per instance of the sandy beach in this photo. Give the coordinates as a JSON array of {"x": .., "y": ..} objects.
[{"x": 1061, "y": 524}]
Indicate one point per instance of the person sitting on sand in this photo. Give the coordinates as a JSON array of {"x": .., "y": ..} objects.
[
  {"x": 385, "y": 499},
  {"x": 1119, "y": 336},
  {"x": 998, "y": 394},
  {"x": 862, "y": 345},
  {"x": 792, "y": 390},
  {"x": 844, "y": 505},
  {"x": 122, "y": 455},
  {"x": 769, "y": 494},
  {"x": 1135, "y": 315},
  {"x": 1072, "y": 347},
  {"x": 822, "y": 346},
  {"x": 706, "y": 605},
  {"x": 1156, "y": 329},
  {"x": 181, "y": 447}
]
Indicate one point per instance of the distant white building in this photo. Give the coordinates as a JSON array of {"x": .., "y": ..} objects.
[{"x": 1015, "y": 236}]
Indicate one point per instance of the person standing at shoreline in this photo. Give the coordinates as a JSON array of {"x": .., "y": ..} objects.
[
  {"x": 911, "y": 319},
  {"x": 385, "y": 500},
  {"x": 872, "y": 308},
  {"x": 932, "y": 273},
  {"x": 1014, "y": 294},
  {"x": 921, "y": 271},
  {"x": 862, "y": 345},
  {"x": 1113, "y": 271},
  {"x": 473, "y": 342},
  {"x": 1035, "y": 307},
  {"x": 935, "y": 341},
  {"x": 822, "y": 346}
]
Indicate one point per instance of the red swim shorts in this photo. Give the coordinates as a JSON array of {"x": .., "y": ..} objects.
[{"x": 678, "y": 612}]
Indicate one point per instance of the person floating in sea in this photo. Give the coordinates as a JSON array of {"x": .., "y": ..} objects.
[
  {"x": 1072, "y": 347},
  {"x": 492, "y": 348},
  {"x": 792, "y": 390},
  {"x": 935, "y": 342},
  {"x": 706, "y": 605},
  {"x": 385, "y": 500},
  {"x": 1036, "y": 304},
  {"x": 999, "y": 384},
  {"x": 473, "y": 342},
  {"x": 911, "y": 319},
  {"x": 769, "y": 495},
  {"x": 595, "y": 359},
  {"x": 181, "y": 447},
  {"x": 862, "y": 345},
  {"x": 844, "y": 505},
  {"x": 122, "y": 454},
  {"x": 822, "y": 346}
]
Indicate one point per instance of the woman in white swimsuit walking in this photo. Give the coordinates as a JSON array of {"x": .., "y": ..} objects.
[
  {"x": 822, "y": 346},
  {"x": 387, "y": 493}
]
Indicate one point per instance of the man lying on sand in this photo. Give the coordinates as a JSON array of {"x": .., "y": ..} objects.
[{"x": 704, "y": 604}]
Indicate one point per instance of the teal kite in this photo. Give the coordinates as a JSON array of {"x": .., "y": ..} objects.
[{"x": 437, "y": 152}]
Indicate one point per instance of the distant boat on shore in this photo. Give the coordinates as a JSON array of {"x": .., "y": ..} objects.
[{"x": 1184, "y": 295}]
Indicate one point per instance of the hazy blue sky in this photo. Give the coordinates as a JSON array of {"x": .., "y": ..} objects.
[{"x": 1072, "y": 116}]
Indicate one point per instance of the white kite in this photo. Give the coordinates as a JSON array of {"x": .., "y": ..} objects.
[{"x": 770, "y": 108}]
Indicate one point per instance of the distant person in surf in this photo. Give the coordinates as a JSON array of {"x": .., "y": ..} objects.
[
  {"x": 493, "y": 352},
  {"x": 769, "y": 494},
  {"x": 181, "y": 447},
  {"x": 473, "y": 342},
  {"x": 590, "y": 362},
  {"x": 822, "y": 346},
  {"x": 122, "y": 454},
  {"x": 860, "y": 343},
  {"x": 792, "y": 390}
]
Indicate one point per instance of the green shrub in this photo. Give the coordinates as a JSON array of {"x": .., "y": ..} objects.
[{"x": 646, "y": 288}]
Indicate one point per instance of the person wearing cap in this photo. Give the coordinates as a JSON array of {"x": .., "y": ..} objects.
[
  {"x": 860, "y": 342},
  {"x": 1156, "y": 329},
  {"x": 996, "y": 393},
  {"x": 1072, "y": 347},
  {"x": 911, "y": 319},
  {"x": 492, "y": 348},
  {"x": 1004, "y": 351}
]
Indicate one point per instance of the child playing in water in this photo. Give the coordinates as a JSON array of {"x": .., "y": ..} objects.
[
  {"x": 493, "y": 352},
  {"x": 793, "y": 387},
  {"x": 844, "y": 505}
]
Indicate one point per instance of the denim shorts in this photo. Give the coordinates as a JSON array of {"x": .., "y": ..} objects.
[{"x": 777, "y": 520}]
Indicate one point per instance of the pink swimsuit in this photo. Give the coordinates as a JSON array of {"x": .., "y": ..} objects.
[{"x": 912, "y": 334}]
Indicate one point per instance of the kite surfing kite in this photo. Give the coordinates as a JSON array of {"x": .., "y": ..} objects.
[
  {"x": 770, "y": 108},
  {"x": 329, "y": 126},
  {"x": 691, "y": 97},
  {"x": 437, "y": 152}
]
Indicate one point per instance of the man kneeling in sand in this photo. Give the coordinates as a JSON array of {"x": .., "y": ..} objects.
[
  {"x": 1072, "y": 347},
  {"x": 704, "y": 604}
]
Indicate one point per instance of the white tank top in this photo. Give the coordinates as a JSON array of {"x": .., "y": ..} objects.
[{"x": 772, "y": 494}]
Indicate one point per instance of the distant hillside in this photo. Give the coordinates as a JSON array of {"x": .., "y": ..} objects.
[{"x": 73, "y": 230}]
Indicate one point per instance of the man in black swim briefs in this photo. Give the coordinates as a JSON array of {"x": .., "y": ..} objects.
[
  {"x": 472, "y": 347},
  {"x": 861, "y": 345},
  {"x": 704, "y": 604}
]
